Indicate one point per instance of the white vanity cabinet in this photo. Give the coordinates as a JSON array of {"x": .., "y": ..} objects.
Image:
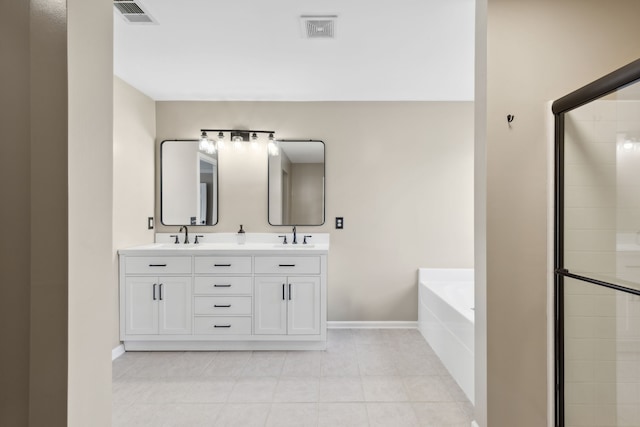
[
  {"x": 237, "y": 297},
  {"x": 157, "y": 305},
  {"x": 156, "y": 295},
  {"x": 287, "y": 305},
  {"x": 223, "y": 295}
]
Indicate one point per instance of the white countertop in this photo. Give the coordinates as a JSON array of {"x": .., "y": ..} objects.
[{"x": 318, "y": 243}]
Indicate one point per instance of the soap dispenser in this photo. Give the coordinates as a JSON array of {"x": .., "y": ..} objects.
[{"x": 241, "y": 236}]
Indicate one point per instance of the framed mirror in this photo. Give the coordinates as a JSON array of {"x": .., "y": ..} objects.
[
  {"x": 296, "y": 183},
  {"x": 188, "y": 184}
]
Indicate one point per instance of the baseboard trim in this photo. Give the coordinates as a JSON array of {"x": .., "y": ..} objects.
[
  {"x": 117, "y": 352},
  {"x": 336, "y": 324}
]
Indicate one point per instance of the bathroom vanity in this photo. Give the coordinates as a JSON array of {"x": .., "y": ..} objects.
[{"x": 221, "y": 295}]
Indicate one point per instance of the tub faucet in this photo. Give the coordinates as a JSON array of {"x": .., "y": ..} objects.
[
  {"x": 186, "y": 234},
  {"x": 295, "y": 239}
]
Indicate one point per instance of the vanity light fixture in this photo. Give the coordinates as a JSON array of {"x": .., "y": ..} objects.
[
  {"x": 272, "y": 146},
  {"x": 220, "y": 140},
  {"x": 237, "y": 142},
  {"x": 238, "y": 137},
  {"x": 206, "y": 144}
]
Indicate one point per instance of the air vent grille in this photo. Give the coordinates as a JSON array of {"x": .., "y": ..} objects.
[
  {"x": 128, "y": 7},
  {"x": 318, "y": 27},
  {"x": 132, "y": 12}
]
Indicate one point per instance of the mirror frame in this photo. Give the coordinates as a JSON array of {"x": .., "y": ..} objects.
[
  {"x": 324, "y": 185},
  {"x": 217, "y": 196}
]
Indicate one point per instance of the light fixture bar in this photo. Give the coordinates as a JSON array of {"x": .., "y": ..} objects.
[
  {"x": 236, "y": 136},
  {"x": 237, "y": 130}
]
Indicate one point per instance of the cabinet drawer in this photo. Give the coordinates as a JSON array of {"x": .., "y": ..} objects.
[
  {"x": 223, "y": 285},
  {"x": 158, "y": 265},
  {"x": 223, "y": 265},
  {"x": 288, "y": 265},
  {"x": 222, "y": 305},
  {"x": 222, "y": 325}
]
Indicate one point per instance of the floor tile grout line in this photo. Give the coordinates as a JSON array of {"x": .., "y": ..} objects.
[{"x": 362, "y": 375}]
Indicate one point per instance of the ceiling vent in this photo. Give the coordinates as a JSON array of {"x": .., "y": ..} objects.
[
  {"x": 318, "y": 26},
  {"x": 132, "y": 12}
]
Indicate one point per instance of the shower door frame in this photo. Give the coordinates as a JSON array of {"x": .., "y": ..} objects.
[{"x": 610, "y": 83}]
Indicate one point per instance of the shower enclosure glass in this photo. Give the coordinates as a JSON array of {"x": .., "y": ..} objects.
[{"x": 597, "y": 252}]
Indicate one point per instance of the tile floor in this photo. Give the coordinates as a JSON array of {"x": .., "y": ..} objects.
[{"x": 372, "y": 377}]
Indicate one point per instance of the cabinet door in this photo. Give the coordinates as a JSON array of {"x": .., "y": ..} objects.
[
  {"x": 304, "y": 306},
  {"x": 141, "y": 305},
  {"x": 270, "y": 306},
  {"x": 174, "y": 301}
]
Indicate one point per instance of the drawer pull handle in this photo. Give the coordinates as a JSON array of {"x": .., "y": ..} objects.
[
  {"x": 222, "y": 265},
  {"x": 154, "y": 291},
  {"x": 157, "y": 265},
  {"x": 283, "y": 292},
  {"x": 286, "y": 265},
  {"x": 222, "y": 286},
  {"x": 160, "y": 288},
  {"x": 289, "y": 291},
  {"x": 222, "y": 305},
  {"x": 221, "y": 326}
]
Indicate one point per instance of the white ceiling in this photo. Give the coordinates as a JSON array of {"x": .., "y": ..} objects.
[{"x": 254, "y": 50}]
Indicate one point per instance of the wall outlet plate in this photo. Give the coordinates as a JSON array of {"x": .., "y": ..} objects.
[
  {"x": 150, "y": 223},
  {"x": 339, "y": 222}
]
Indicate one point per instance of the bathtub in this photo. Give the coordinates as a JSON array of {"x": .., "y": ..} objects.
[{"x": 446, "y": 320}]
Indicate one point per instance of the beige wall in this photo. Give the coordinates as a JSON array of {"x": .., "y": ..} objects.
[
  {"x": 134, "y": 130},
  {"x": 538, "y": 50},
  {"x": 91, "y": 272},
  {"x": 480, "y": 214},
  {"x": 49, "y": 227},
  {"x": 400, "y": 173},
  {"x": 33, "y": 175},
  {"x": 15, "y": 168}
]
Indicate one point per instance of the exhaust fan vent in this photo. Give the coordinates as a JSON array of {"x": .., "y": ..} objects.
[
  {"x": 132, "y": 12},
  {"x": 318, "y": 26}
]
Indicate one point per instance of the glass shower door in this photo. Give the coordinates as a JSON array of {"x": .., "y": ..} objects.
[{"x": 597, "y": 259}]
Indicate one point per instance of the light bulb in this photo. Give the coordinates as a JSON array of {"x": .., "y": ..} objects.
[
  {"x": 628, "y": 145},
  {"x": 204, "y": 142},
  {"x": 273, "y": 148},
  {"x": 237, "y": 142},
  {"x": 220, "y": 141},
  {"x": 211, "y": 147}
]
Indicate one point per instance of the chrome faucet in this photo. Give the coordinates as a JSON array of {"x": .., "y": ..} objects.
[
  {"x": 186, "y": 234},
  {"x": 295, "y": 239}
]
